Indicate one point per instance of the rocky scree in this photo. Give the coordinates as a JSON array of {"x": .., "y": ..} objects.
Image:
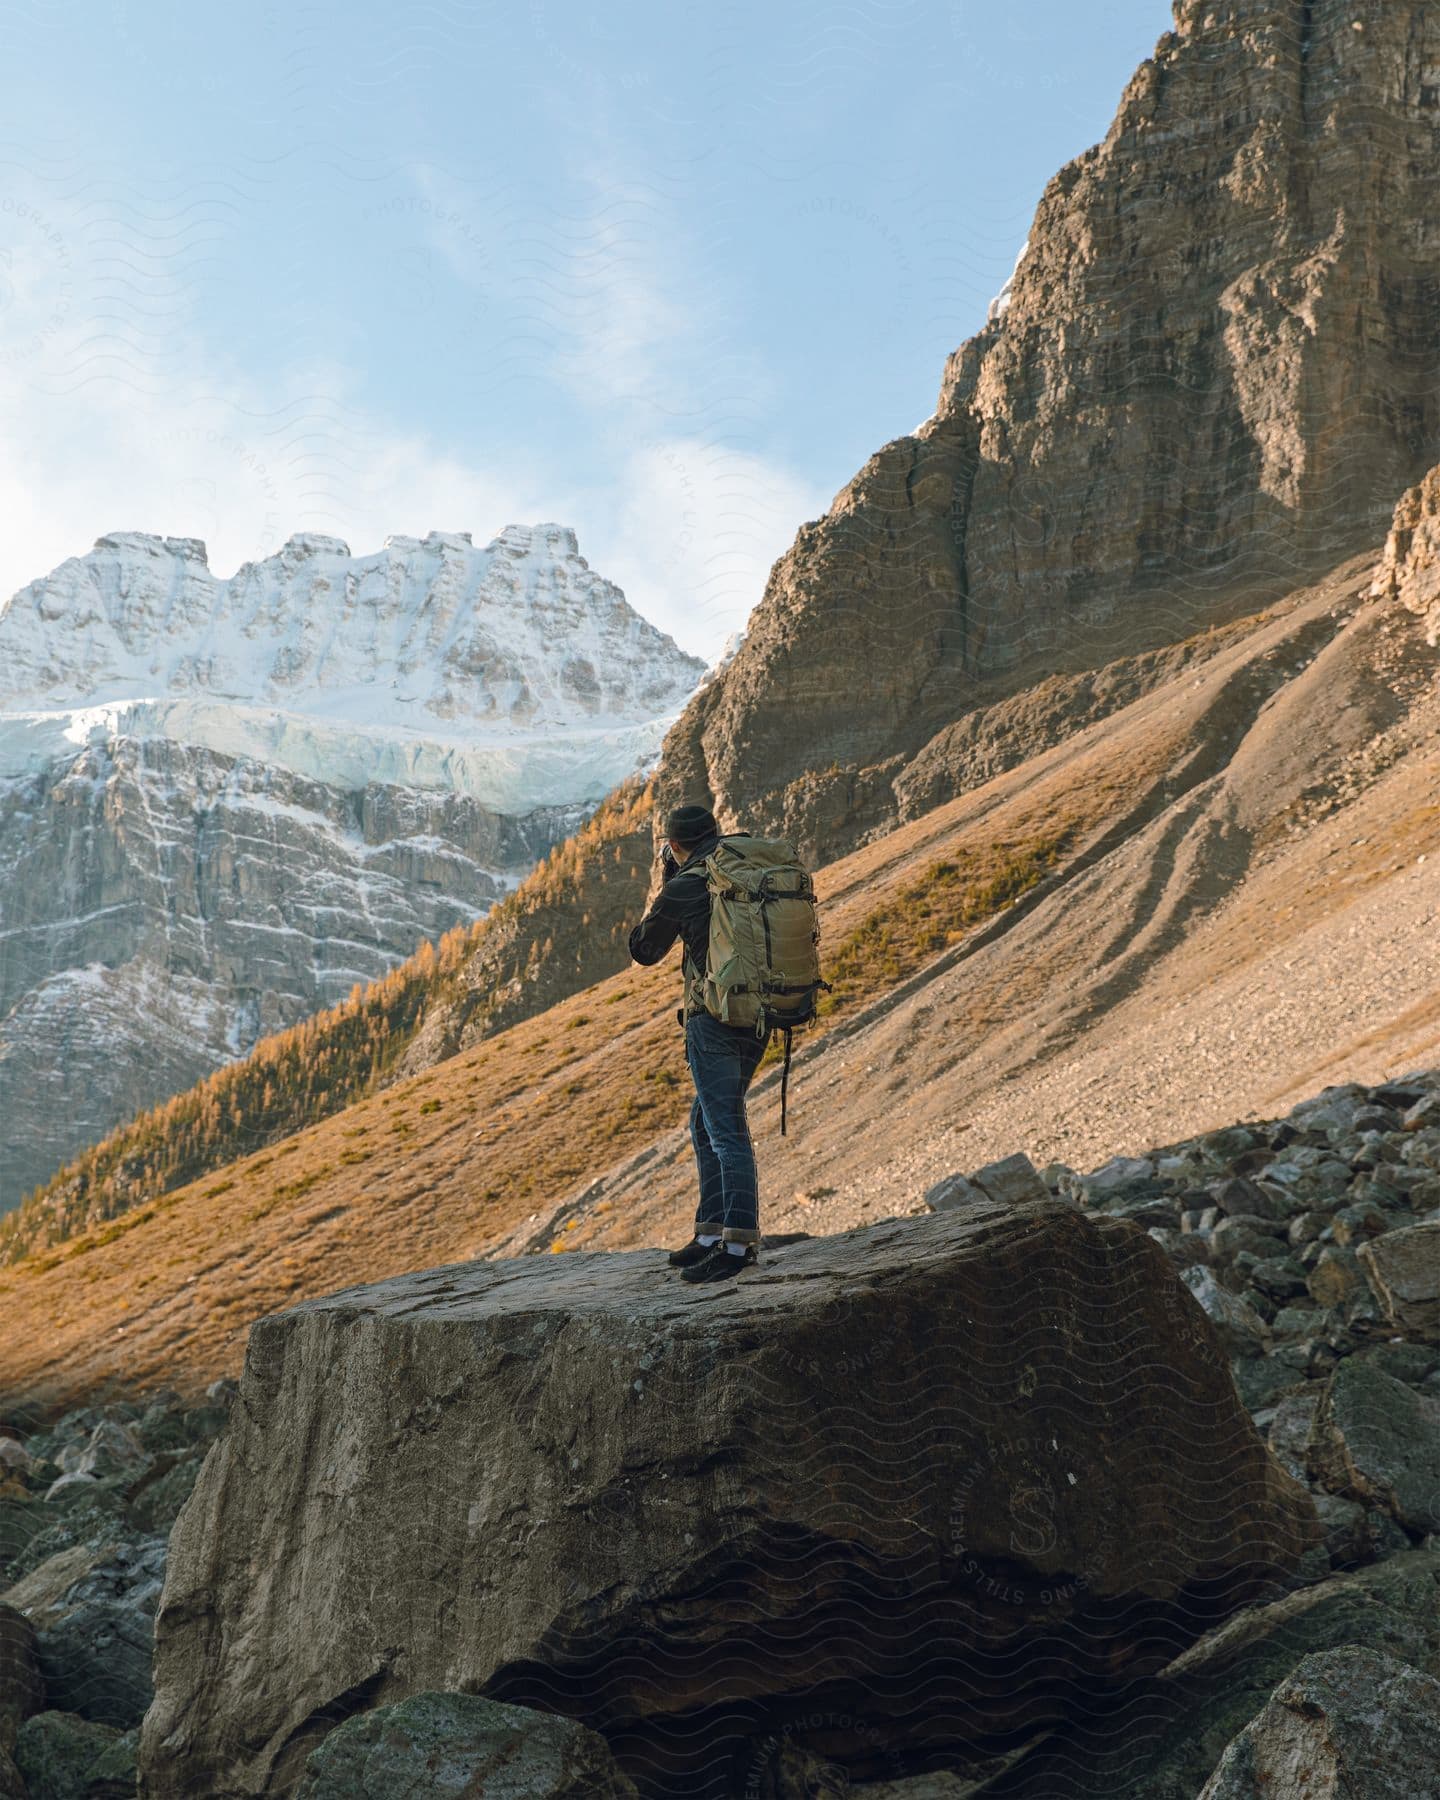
[{"x": 86, "y": 1505}]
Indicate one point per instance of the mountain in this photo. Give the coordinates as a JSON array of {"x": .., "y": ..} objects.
[
  {"x": 225, "y": 803},
  {"x": 1214, "y": 370}
]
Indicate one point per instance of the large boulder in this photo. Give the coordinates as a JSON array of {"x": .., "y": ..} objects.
[
  {"x": 435, "y": 1746},
  {"x": 1348, "y": 1721},
  {"x": 876, "y": 1475}
]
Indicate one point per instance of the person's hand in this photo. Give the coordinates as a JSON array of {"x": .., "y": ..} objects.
[{"x": 668, "y": 864}]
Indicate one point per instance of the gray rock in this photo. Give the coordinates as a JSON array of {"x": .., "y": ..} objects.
[
  {"x": 1410, "y": 1363},
  {"x": 1356, "y": 1224},
  {"x": 1118, "y": 1172},
  {"x": 1348, "y": 1537},
  {"x": 1398, "y": 1171},
  {"x": 73, "y": 1484},
  {"x": 1013, "y": 1180},
  {"x": 1336, "y": 1277},
  {"x": 778, "y": 1768},
  {"x": 1346, "y": 1721},
  {"x": 1244, "y": 1232},
  {"x": 1378, "y": 1441},
  {"x": 1143, "y": 1202},
  {"x": 1184, "y": 1248},
  {"x": 163, "y": 1427},
  {"x": 21, "y": 1522},
  {"x": 953, "y": 1191},
  {"x": 1288, "y": 1431},
  {"x": 115, "y": 1774},
  {"x": 63, "y": 1530},
  {"x": 1400, "y": 1096},
  {"x": 434, "y": 1745},
  {"x": 1403, "y": 1269},
  {"x": 92, "y": 1608},
  {"x": 1288, "y": 1182},
  {"x": 981, "y": 1777},
  {"x": 22, "y": 1688},
  {"x": 1424, "y": 1115},
  {"x": 1424, "y": 1196},
  {"x": 1237, "y": 1194},
  {"x": 1327, "y": 1181},
  {"x": 1370, "y": 1190},
  {"x": 112, "y": 1450},
  {"x": 1240, "y": 1328},
  {"x": 1305, "y": 1227},
  {"x": 1375, "y": 1118},
  {"x": 1224, "y": 1145},
  {"x": 1301, "y": 1322},
  {"x": 1336, "y": 1105},
  {"x": 1280, "y": 1276},
  {"x": 14, "y": 1456},
  {"x": 62, "y": 1757},
  {"x": 573, "y": 1479},
  {"x": 157, "y": 1504},
  {"x": 1262, "y": 1380}
]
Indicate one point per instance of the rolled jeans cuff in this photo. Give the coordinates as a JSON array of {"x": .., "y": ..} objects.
[
  {"x": 710, "y": 1228},
  {"x": 740, "y": 1234}
]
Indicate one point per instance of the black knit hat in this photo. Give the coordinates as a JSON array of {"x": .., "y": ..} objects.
[{"x": 691, "y": 824}]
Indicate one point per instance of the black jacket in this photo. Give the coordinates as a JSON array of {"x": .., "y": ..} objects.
[{"x": 681, "y": 909}]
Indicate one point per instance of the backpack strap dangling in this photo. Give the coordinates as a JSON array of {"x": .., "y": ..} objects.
[{"x": 785, "y": 1077}]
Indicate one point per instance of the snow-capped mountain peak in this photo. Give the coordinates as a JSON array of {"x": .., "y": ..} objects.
[{"x": 520, "y": 634}]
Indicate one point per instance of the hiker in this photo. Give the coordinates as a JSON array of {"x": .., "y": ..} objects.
[{"x": 722, "y": 1058}]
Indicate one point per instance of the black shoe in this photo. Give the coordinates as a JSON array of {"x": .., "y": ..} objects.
[
  {"x": 693, "y": 1251},
  {"x": 718, "y": 1264}
]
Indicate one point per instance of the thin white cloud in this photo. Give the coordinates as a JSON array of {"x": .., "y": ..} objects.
[
  {"x": 119, "y": 415},
  {"x": 241, "y": 469},
  {"x": 614, "y": 309},
  {"x": 695, "y": 535}
]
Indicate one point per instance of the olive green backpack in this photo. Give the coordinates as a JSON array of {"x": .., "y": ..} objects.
[{"x": 763, "y": 966}]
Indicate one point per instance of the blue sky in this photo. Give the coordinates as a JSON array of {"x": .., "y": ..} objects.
[{"x": 665, "y": 273}]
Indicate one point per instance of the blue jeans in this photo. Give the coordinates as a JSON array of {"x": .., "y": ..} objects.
[{"x": 722, "y": 1060}]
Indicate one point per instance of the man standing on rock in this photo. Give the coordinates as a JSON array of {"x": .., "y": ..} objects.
[{"x": 722, "y": 1058}]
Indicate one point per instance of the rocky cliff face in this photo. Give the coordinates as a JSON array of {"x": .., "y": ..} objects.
[
  {"x": 1410, "y": 568},
  {"x": 1215, "y": 370},
  {"x": 224, "y": 803}
]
